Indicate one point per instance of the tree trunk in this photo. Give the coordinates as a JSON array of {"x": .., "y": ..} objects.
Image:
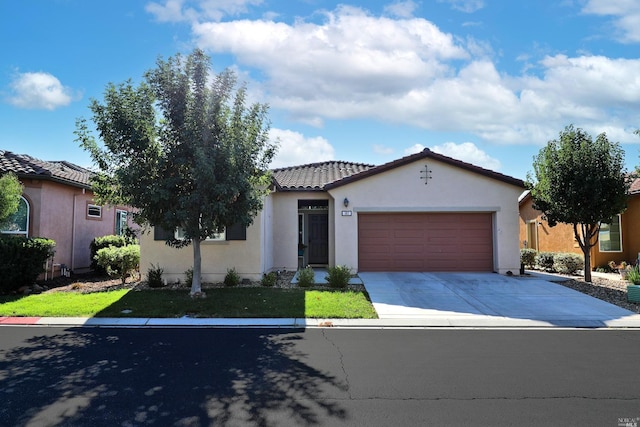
[
  {"x": 196, "y": 283},
  {"x": 586, "y": 242},
  {"x": 587, "y": 265}
]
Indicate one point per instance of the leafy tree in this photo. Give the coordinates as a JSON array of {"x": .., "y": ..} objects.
[
  {"x": 184, "y": 149},
  {"x": 10, "y": 192},
  {"x": 580, "y": 181}
]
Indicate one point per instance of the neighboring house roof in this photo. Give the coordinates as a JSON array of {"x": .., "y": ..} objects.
[
  {"x": 635, "y": 186},
  {"x": 25, "y": 166},
  {"x": 315, "y": 176}
]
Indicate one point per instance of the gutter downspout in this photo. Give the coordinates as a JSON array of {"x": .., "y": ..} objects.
[{"x": 73, "y": 233}]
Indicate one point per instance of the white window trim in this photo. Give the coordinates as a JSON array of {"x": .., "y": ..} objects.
[
  {"x": 217, "y": 237},
  {"x": 600, "y": 240},
  {"x": 92, "y": 206},
  {"x": 118, "y": 212},
  {"x": 24, "y": 233}
]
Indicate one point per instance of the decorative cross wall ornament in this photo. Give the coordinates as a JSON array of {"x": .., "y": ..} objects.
[{"x": 426, "y": 174}]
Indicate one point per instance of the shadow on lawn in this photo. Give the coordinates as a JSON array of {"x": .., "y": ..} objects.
[{"x": 197, "y": 377}]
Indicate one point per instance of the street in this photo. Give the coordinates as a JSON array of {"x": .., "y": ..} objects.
[{"x": 324, "y": 377}]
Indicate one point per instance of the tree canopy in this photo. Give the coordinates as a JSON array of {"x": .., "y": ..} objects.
[
  {"x": 580, "y": 181},
  {"x": 183, "y": 148},
  {"x": 10, "y": 192}
]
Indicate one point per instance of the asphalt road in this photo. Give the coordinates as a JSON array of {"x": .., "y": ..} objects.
[{"x": 327, "y": 377}]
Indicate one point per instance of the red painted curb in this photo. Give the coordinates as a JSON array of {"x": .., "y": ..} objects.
[{"x": 19, "y": 320}]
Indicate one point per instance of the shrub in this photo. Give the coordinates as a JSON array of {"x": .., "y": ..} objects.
[
  {"x": 22, "y": 260},
  {"x": 528, "y": 257},
  {"x": 119, "y": 261},
  {"x": 154, "y": 276},
  {"x": 269, "y": 279},
  {"x": 633, "y": 275},
  {"x": 232, "y": 278},
  {"x": 567, "y": 263},
  {"x": 306, "y": 277},
  {"x": 544, "y": 261},
  {"x": 104, "y": 242},
  {"x": 338, "y": 276},
  {"x": 189, "y": 274}
]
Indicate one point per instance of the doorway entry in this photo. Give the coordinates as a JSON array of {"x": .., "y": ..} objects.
[{"x": 313, "y": 232}]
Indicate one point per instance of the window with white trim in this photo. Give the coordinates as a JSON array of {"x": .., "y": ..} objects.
[
  {"x": 121, "y": 222},
  {"x": 610, "y": 237},
  {"x": 94, "y": 211},
  {"x": 18, "y": 223},
  {"x": 216, "y": 237}
]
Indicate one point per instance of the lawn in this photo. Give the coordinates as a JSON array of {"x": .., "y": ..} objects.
[{"x": 220, "y": 303}]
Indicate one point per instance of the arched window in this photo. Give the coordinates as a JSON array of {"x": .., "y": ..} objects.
[{"x": 18, "y": 223}]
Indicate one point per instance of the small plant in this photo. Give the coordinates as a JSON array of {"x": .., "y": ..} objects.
[
  {"x": 633, "y": 275},
  {"x": 189, "y": 275},
  {"x": 232, "y": 277},
  {"x": 528, "y": 257},
  {"x": 269, "y": 279},
  {"x": 154, "y": 276},
  {"x": 338, "y": 276},
  {"x": 544, "y": 261},
  {"x": 567, "y": 263},
  {"x": 306, "y": 277},
  {"x": 119, "y": 261}
]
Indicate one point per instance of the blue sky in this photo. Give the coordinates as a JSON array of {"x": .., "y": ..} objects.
[{"x": 485, "y": 81}]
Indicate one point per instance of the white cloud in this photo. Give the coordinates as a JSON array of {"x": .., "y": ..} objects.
[
  {"x": 381, "y": 149},
  {"x": 39, "y": 91},
  {"x": 467, "y": 152},
  {"x": 198, "y": 10},
  {"x": 401, "y": 9},
  {"x": 296, "y": 149},
  {"x": 625, "y": 15},
  {"x": 467, "y": 6},
  {"x": 416, "y": 148}
]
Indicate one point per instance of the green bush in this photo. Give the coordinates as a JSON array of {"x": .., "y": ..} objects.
[
  {"x": 189, "y": 274},
  {"x": 119, "y": 261},
  {"x": 22, "y": 260},
  {"x": 633, "y": 275},
  {"x": 544, "y": 261},
  {"x": 104, "y": 242},
  {"x": 338, "y": 276},
  {"x": 154, "y": 276},
  {"x": 232, "y": 278},
  {"x": 306, "y": 277},
  {"x": 528, "y": 257},
  {"x": 269, "y": 279},
  {"x": 567, "y": 263}
]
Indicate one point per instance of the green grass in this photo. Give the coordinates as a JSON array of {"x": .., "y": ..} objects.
[{"x": 219, "y": 303}]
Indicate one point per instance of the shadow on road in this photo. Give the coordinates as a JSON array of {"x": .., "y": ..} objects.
[{"x": 132, "y": 377}]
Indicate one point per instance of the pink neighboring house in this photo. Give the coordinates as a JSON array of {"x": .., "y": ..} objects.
[{"x": 57, "y": 203}]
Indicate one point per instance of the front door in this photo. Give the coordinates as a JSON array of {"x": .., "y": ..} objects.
[{"x": 318, "y": 239}]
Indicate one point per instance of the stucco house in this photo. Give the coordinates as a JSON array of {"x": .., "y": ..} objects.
[
  {"x": 57, "y": 203},
  {"x": 618, "y": 241},
  {"x": 423, "y": 212}
]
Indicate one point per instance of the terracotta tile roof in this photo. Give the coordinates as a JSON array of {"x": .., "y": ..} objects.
[
  {"x": 315, "y": 176},
  {"x": 635, "y": 186},
  {"x": 25, "y": 166}
]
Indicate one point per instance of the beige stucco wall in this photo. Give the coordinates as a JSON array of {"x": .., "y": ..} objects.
[
  {"x": 450, "y": 189},
  {"x": 217, "y": 257}
]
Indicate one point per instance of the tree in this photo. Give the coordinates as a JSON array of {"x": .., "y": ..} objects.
[
  {"x": 184, "y": 149},
  {"x": 10, "y": 192},
  {"x": 582, "y": 182}
]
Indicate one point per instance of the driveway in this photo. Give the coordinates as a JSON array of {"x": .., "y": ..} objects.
[{"x": 487, "y": 300}]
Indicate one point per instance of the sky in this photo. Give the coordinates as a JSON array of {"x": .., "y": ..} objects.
[{"x": 489, "y": 82}]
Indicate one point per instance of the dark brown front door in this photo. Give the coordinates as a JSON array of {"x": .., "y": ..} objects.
[{"x": 318, "y": 239}]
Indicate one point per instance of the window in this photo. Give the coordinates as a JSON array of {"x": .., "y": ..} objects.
[
  {"x": 216, "y": 237},
  {"x": 18, "y": 223},
  {"x": 94, "y": 211},
  {"x": 610, "y": 238},
  {"x": 121, "y": 222}
]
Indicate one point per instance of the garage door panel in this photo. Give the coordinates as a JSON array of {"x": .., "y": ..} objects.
[{"x": 425, "y": 242}]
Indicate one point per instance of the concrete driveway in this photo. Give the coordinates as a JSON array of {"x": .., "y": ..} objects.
[{"x": 487, "y": 300}]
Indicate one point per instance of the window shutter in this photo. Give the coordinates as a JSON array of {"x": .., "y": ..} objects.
[
  {"x": 236, "y": 232},
  {"x": 160, "y": 233}
]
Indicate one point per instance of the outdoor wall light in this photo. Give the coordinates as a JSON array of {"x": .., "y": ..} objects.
[{"x": 346, "y": 202}]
